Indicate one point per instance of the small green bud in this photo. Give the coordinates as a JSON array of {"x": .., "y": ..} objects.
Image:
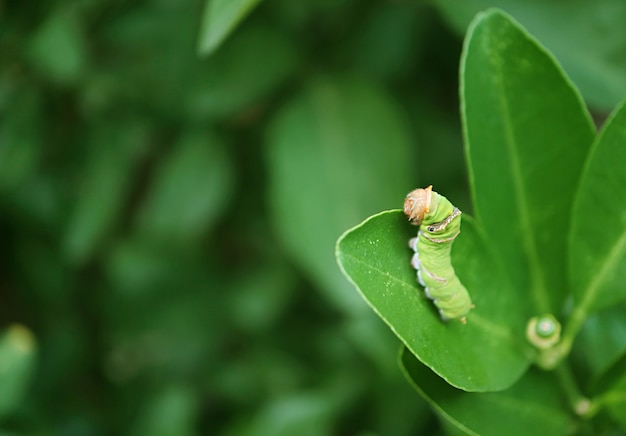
[{"x": 543, "y": 331}]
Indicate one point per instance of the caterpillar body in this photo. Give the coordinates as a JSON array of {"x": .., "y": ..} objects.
[{"x": 440, "y": 224}]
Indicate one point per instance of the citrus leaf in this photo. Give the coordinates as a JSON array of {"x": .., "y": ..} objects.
[
  {"x": 588, "y": 53},
  {"x": 527, "y": 134},
  {"x": 532, "y": 406},
  {"x": 600, "y": 348},
  {"x": 486, "y": 354},
  {"x": 598, "y": 241}
]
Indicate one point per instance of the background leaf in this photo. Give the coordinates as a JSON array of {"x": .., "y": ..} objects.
[
  {"x": 219, "y": 20},
  {"x": 593, "y": 54},
  {"x": 190, "y": 191},
  {"x": 376, "y": 258},
  {"x": 527, "y": 134},
  {"x": 532, "y": 406},
  {"x": 600, "y": 349},
  {"x": 170, "y": 412},
  {"x": 329, "y": 150},
  {"x": 615, "y": 400},
  {"x": 598, "y": 242},
  {"x": 17, "y": 362},
  {"x": 103, "y": 187},
  {"x": 57, "y": 48},
  {"x": 231, "y": 83},
  {"x": 20, "y": 141},
  {"x": 234, "y": 321}
]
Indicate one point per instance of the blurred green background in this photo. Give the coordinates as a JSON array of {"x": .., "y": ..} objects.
[{"x": 168, "y": 215}]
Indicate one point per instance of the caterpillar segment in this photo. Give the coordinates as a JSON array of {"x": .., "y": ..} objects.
[{"x": 440, "y": 224}]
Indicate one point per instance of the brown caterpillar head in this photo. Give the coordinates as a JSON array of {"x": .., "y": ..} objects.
[{"x": 416, "y": 204}]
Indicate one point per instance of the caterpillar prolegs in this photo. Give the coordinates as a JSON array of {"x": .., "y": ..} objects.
[{"x": 440, "y": 224}]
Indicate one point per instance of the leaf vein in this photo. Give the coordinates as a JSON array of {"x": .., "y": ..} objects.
[{"x": 538, "y": 287}]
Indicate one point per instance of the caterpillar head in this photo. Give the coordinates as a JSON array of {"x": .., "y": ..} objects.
[{"x": 417, "y": 203}]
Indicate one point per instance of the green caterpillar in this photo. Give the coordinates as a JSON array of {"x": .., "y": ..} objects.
[{"x": 440, "y": 224}]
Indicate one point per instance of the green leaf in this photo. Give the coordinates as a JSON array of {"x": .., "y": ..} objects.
[
  {"x": 489, "y": 352},
  {"x": 389, "y": 39},
  {"x": 598, "y": 236},
  {"x": 527, "y": 133},
  {"x": 610, "y": 377},
  {"x": 219, "y": 20},
  {"x": 232, "y": 81},
  {"x": 532, "y": 406},
  {"x": 20, "y": 138},
  {"x": 591, "y": 54},
  {"x": 58, "y": 47},
  {"x": 615, "y": 402},
  {"x": 601, "y": 348},
  {"x": 190, "y": 190},
  {"x": 337, "y": 153},
  {"x": 105, "y": 184},
  {"x": 259, "y": 297},
  {"x": 17, "y": 363},
  {"x": 172, "y": 411}
]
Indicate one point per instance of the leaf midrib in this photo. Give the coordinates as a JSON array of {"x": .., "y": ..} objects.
[
  {"x": 538, "y": 287},
  {"x": 483, "y": 324}
]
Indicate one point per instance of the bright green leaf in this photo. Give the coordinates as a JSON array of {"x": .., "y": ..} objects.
[
  {"x": 337, "y": 153},
  {"x": 592, "y": 54},
  {"x": 219, "y": 20},
  {"x": 598, "y": 236},
  {"x": 527, "y": 134},
  {"x": 189, "y": 191},
  {"x": 532, "y": 406},
  {"x": 486, "y": 354},
  {"x": 17, "y": 362}
]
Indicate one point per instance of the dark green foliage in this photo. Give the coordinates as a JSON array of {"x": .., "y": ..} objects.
[
  {"x": 173, "y": 177},
  {"x": 548, "y": 245}
]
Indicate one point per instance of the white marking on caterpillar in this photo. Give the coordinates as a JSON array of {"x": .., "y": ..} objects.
[{"x": 439, "y": 226}]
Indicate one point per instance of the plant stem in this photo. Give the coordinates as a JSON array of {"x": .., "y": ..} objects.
[
  {"x": 579, "y": 403},
  {"x": 574, "y": 324}
]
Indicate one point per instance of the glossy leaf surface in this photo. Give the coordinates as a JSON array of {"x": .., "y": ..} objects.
[
  {"x": 527, "y": 134},
  {"x": 486, "y": 354},
  {"x": 597, "y": 258}
]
